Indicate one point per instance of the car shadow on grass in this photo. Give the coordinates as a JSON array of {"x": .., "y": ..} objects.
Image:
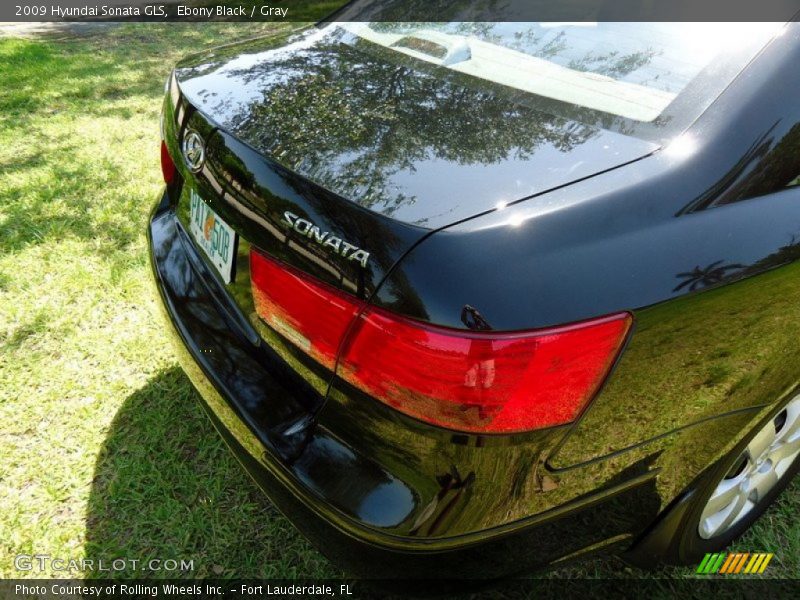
[{"x": 166, "y": 488}]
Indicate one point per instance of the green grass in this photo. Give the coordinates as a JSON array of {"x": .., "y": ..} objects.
[{"x": 104, "y": 452}]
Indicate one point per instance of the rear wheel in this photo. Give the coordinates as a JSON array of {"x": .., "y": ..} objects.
[{"x": 745, "y": 484}]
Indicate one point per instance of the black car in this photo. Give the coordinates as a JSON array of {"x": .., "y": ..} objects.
[{"x": 468, "y": 299}]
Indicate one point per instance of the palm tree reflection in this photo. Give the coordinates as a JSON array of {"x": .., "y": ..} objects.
[{"x": 702, "y": 277}]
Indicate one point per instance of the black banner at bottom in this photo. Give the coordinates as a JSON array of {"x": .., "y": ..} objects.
[{"x": 79, "y": 589}]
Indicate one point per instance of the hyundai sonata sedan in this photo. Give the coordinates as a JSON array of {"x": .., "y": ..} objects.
[{"x": 470, "y": 299}]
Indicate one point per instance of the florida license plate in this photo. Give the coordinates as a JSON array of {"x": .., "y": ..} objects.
[{"x": 213, "y": 235}]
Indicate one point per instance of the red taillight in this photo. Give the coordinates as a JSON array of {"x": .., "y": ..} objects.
[
  {"x": 480, "y": 382},
  {"x": 167, "y": 166},
  {"x": 311, "y": 315}
]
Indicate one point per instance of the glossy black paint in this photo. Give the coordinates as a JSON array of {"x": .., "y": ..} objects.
[
  {"x": 425, "y": 148},
  {"x": 623, "y": 239},
  {"x": 698, "y": 239},
  {"x": 252, "y": 192},
  {"x": 384, "y": 500}
]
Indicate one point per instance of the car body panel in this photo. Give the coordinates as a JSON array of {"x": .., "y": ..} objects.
[
  {"x": 398, "y": 496},
  {"x": 421, "y": 148},
  {"x": 620, "y": 240},
  {"x": 638, "y": 239},
  {"x": 252, "y": 193}
]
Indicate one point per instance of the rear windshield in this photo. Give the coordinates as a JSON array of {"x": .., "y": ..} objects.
[{"x": 635, "y": 71}]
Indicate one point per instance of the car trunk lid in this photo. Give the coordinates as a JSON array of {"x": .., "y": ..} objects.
[{"x": 398, "y": 137}]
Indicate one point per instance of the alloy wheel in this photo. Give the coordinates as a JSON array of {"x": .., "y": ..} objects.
[{"x": 759, "y": 468}]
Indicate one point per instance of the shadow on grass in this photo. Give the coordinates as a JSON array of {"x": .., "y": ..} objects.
[{"x": 166, "y": 488}]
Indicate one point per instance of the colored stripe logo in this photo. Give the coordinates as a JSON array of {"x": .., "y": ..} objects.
[{"x": 735, "y": 562}]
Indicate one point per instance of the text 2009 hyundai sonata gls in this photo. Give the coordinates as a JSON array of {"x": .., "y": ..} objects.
[{"x": 468, "y": 299}]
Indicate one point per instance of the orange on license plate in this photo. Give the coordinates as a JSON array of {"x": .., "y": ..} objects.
[{"x": 213, "y": 235}]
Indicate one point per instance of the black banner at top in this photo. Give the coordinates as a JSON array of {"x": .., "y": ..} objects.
[{"x": 399, "y": 10}]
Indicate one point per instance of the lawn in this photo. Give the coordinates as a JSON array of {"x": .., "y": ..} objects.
[{"x": 104, "y": 451}]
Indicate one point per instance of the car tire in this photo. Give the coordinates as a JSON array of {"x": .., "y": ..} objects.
[{"x": 751, "y": 476}]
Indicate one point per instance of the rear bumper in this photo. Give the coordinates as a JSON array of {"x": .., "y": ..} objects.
[{"x": 352, "y": 507}]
